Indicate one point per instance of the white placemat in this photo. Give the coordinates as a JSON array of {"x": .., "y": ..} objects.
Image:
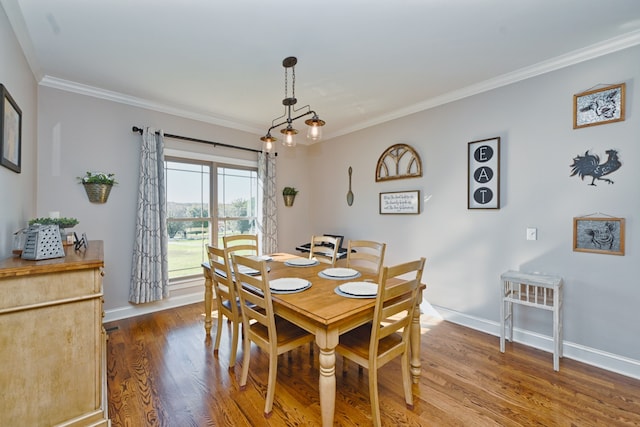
[
  {"x": 301, "y": 262},
  {"x": 359, "y": 288}
]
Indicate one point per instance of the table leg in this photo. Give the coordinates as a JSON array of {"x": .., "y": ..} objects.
[
  {"x": 416, "y": 365},
  {"x": 208, "y": 299},
  {"x": 327, "y": 342}
]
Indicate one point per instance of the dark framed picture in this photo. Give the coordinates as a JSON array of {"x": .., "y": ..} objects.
[
  {"x": 483, "y": 179},
  {"x": 598, "y": 235},
  {"x": 10, "y": 131},
  {"x": 598, "y": 106},
  {"x": 400, "y": 202}
]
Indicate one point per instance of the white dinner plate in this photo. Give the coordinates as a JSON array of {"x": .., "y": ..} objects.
[
  {"x": 340, "y": 272},
  {"x": 288, "y": 284},
  {"x": 250, "y": 271},
  {"x": 359, "y": 288},
  {"x": 301, "y": 262}
]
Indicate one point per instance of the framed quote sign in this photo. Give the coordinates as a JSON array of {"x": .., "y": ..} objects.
[
  {"x": 400, "y": 202},
  {"x": 483, "y": 178}
]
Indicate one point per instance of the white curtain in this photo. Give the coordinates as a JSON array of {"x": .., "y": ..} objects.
[
  {"x": 268, "y": 220},
  {"x": 150, "y": 270}
]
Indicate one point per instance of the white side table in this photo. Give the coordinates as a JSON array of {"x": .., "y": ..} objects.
[{"x": 533, "y": 290}]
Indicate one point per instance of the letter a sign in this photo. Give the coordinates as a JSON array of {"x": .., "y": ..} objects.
[{"x": 484, "y": 174}]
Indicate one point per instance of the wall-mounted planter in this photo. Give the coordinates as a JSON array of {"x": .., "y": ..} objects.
[
  {"x": 289, "y": 194},
  {"x": 97, "y": 193},
  {"x": 288, "y": 199}
]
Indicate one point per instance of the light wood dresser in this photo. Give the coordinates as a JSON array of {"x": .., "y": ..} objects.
[{"x": 52, "y": 342}]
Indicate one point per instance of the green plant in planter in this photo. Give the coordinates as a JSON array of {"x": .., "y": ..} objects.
[
  {"x": 289, "y": 191},
  {"x": 60, "y": 222},
  {"x": 98, "y": 178}
]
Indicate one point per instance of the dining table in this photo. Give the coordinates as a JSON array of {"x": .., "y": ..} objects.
[{"x": 327, "y": 313}]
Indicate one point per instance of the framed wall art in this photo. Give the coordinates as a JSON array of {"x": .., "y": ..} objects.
[
  {"x": 483, "y": 179},
  {"x": 400, "y": 202},
  {"x": 10, "y": 131},
  {"x": 599, "y": 106},
  {"x": 598, "y": 235},
  {"x": 398, "y": 162}
]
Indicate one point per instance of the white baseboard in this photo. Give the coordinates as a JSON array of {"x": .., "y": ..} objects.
[
  {"x": 591, "y": 356},
  {"x": 601, "y": 359}
]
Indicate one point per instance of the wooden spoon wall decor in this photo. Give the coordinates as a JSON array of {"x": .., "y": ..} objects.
[{"x": 350, "y": 193}]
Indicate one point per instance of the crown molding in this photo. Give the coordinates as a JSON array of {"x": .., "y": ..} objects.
[{"x": 581, "y": 55}]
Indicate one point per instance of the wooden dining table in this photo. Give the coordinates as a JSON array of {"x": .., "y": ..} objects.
[{"x": 326, "y": 314}]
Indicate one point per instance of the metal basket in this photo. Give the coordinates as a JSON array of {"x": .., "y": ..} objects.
[
  {"x": 97, "y": 193},
  {"x": 42, "y": 242}
]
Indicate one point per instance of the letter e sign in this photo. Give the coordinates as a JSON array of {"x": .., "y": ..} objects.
[{"x": 484, "y": 174}]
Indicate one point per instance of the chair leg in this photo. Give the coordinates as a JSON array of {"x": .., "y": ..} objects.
[
  {"x": 218, "y": 333},
  {"x": 246, "y": 348},
  {"x": 271, "y": 382},
  {"x": 234, "y": 344},
  {"x": 373, "y": 396},
  {"x": 406, "y": 380}
]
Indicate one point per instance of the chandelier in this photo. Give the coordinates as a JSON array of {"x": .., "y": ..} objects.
[{"x": 315, "y": 124}]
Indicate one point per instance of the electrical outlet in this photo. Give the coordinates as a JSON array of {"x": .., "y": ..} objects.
[{"x": 532, "y": 234}]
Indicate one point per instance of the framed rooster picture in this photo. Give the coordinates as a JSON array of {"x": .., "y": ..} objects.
[
  {"x": 598, "y": 106},
  {"x": 598, "y": 235}
]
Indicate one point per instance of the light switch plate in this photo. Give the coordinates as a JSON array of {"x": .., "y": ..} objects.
[{"x": 532, "y": 234}]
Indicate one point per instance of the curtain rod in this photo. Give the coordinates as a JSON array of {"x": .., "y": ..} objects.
[{"x": 186, "y": 138}]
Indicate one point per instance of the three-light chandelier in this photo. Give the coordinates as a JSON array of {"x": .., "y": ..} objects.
[{"x": 315, "y": 124}]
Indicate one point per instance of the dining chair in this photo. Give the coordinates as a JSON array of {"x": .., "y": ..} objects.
[
  {"x": 325, "y": 249},
  {"x": 226, "y": 298},
  {"x": 261, "y": 326},
  {"x": 242, "y": 244},
  {"x": 374, "y": 344},
  {"x": 366, "y": 255}
]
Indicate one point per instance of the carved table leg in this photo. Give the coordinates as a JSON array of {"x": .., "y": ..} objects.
[
  {"x": 208, "y": 299},
  {"x": 416, "y": 365},
  {"x": 327, "y": 342}
]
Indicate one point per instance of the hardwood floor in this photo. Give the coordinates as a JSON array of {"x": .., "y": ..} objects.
[{"x": 162, "y": 372}]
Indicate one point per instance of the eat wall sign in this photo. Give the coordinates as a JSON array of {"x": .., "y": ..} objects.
[{"x": 484, "y": 174}]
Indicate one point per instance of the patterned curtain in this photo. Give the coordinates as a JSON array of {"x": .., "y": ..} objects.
[
  {"x": 150, "y": 270},
  {"x": 268, "y": 220}
]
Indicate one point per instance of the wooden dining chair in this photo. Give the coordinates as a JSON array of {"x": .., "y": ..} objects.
[
  {"x": 366, "y": 255},
  {"x": 242, "y": 244},
  {"x": 374, "y": 344},
  {"x": 261, "y": 326},
  {"x": 325, "y": 249},
  {"x": 226, "y": 298}
]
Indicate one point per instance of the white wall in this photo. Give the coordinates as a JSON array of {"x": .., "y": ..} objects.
[
  {"x": 467, "y": 250},
  {"x": 79, "y": 133},
  {"x": 17, "y": 190}
]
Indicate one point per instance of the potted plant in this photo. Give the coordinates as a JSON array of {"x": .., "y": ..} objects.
[
  {"x": 62, "y": 223},
  {"x": 289, "y": 194},
  {"x": 98, "y": 185}
]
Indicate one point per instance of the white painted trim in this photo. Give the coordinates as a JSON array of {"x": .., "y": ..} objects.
[
  {"x": 591, "y": 356},
  {"x": 599, "y": 49}
]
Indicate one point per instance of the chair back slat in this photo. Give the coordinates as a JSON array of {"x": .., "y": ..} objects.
[
  {"x": 241, "y": 244},
  {"x": 366, "y": 255},
  {"x": 325, "y": 249},
  {"x": 395, "y": 304}
]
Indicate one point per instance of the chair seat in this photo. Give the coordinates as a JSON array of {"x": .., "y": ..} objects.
[
  {"x": 289, "y": 335},
  {"x": 357, "y": 341},
  {"x": 227, "y": 304}
]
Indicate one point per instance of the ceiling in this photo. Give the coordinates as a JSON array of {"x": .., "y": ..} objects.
[{"x": 360, "y": 62}]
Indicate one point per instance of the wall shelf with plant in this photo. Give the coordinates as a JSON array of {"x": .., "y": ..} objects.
[{"x": 289, "y": 194}]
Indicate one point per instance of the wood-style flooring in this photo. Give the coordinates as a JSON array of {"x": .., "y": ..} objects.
[{"x": 162, "y": 371}]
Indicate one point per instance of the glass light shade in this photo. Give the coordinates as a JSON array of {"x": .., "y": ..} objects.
[
  {"x": 314, "y": 133},
  {"x": 289, "y": 136}
]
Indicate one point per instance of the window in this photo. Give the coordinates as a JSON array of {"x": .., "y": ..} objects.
[{"x": 193, "y": 187}]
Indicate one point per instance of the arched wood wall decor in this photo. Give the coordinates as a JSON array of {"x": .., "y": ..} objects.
[{"x": 398, "y": 162}]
